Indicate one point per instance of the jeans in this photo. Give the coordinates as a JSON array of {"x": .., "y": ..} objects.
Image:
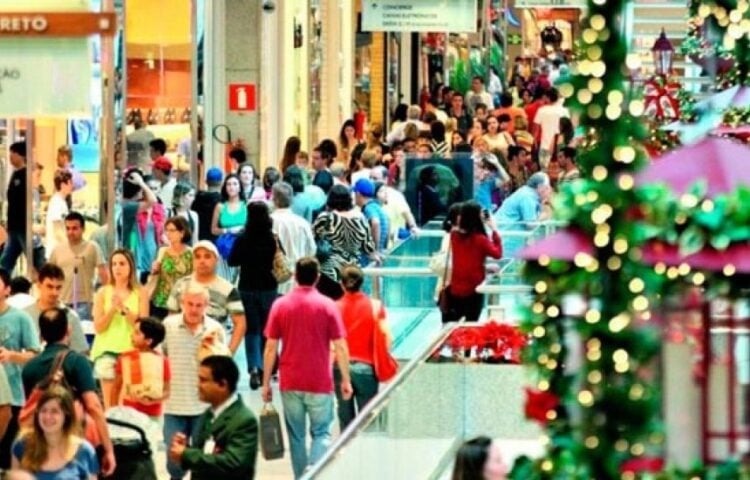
[
  {"x": 83, "y": 309},
  {"x": 469, "y": 307},
  {"x": 365, "y": 386},
  {"x": 297, "y": 407},
  {"x": 15, "y": 246},
  {"x": 190, "y": 425},
  {"x": 257, "y": 305},
  {"x": 9, "y": 438}
]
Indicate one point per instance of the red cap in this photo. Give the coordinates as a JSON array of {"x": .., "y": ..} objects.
[{"x": 162, "y": 163}]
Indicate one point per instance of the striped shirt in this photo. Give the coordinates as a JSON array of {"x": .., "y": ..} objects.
[
  {"x": 349, "y": 237},
  {"x": 223, "y": 298},
  {"x": 181, "y": 347}
]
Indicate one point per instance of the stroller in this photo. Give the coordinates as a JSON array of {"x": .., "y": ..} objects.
[{"x": 132, "y": 449}]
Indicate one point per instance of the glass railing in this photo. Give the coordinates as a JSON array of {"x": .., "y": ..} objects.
[{"x": 412, "y": 428}]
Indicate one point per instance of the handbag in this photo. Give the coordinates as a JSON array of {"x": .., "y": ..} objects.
[
  {"x": 225, "y": 243},
  {"x": 280, "y": 270},
  {"x": 443, "y": 300},
  {"x": 271, "y": 438},
  {"x": 384, "y": 364}
]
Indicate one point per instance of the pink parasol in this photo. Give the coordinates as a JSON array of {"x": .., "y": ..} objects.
[
  {"x": 723, "y": 163},
  {"x": 562, "y": 245},
  {"x": 736, "y": 255}
]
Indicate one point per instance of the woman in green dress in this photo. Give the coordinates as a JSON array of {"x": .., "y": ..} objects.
[{"x": 172, "y": 263}]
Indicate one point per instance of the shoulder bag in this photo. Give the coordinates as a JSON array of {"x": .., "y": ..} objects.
[
  {"x": 384, "y": 364},
  {"x": 444, "y": 294},
  {"x": 281, "y": 271}
]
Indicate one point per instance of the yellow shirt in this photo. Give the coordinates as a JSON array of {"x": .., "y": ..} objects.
[{"x": 116, "y": 338}]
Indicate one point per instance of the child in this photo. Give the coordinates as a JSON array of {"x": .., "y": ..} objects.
[{"x": 143, "y": 374}]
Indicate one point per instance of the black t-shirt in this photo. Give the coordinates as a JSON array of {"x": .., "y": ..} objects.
[
  {"x": 17, "y": 201},
  {"x": 204, "y": 205},
  {"x": 76, "y": 367},
  {"x": 254, "y": 254}
]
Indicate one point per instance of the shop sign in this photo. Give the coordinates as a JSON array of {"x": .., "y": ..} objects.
[
  {"x": 45, "y": 77},
  {"x": 550, "y": 4},
  {"x": 419, "y": 16},
  {"x": 242, "y": 97},
  {"x": 56, "y": 24}
]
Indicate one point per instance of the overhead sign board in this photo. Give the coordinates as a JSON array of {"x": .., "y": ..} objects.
[
  {"x": 45, "y": 77},
  {"x": 459, "y": 16},
  {"x": 56, "y": 24},
  {"x": 550, "y": 4}
]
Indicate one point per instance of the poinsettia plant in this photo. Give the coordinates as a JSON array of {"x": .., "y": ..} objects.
[{"x": 490, "y": 342}]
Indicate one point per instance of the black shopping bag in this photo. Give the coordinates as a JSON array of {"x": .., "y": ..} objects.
[{"x": 271, "y": 438}]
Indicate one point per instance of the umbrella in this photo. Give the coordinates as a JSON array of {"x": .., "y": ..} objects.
[
  {"x": 737, "y": 96},
  {"x": 562, "y": 245},
  {"x": 737, "y": 255},
  {"x": 723, "y": 163}
]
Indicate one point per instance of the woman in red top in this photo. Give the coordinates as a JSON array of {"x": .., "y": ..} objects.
[
  {"x": 470, "y": 246},
  {"x": 361, "y": 316}
]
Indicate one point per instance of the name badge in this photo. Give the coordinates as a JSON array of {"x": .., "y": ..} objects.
[{"x": 209, "y": 446}]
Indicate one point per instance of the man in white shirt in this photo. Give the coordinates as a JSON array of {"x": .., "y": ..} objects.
[
  {"x": 295, "y": 234},
  {"x": 413, "y": 113},
  {"x": 162, "y": 171},
  {"x": 57, "y": 209},
  {"x": 186, "y": 335},
  {"x": 396, "y": 207},
  {"x": 547, "y": 120},
  {"x": 478, "y": 95}
]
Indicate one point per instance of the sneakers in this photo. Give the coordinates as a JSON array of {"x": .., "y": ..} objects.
[{"x": 256, "y": 378}]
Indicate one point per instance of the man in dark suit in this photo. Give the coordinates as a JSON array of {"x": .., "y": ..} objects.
[{"x": 227, "y": 445}]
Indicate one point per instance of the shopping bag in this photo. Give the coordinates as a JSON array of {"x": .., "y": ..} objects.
[{"x": 271, "y": 438}]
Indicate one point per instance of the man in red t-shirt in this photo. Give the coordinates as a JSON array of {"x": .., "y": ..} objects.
[{"x": 307, "y": 323}]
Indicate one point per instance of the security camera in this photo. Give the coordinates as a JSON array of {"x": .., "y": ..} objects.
[{"x": 269, "y": 6}]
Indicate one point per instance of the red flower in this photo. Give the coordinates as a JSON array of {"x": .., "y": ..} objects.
[
  {"x": 501, "y": 341},
  {"x": 538, "y": 403},
  {"x": 643, "y": 464}
]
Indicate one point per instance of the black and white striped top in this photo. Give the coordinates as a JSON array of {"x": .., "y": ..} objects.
[{"x": 349, "y": 237}]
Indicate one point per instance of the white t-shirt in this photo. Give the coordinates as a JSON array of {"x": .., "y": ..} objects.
[
  {"x": 57, "y": 209},
  {"x": 548, "y": 118}
]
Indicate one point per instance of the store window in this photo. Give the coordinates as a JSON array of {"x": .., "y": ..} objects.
[{"x": 159, "y": 81}]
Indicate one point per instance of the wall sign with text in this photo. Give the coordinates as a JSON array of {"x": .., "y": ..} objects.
[{"x": 419, "y": 16}]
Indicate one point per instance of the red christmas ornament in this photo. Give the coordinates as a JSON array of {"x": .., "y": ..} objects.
[
  {"x": 660, "y": 95},
  {"x": 538, "y": 403},
  {"x": 643, "y": 464}
]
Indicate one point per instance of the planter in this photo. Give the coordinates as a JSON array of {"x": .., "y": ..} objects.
[{"x": 449, "y": 400}]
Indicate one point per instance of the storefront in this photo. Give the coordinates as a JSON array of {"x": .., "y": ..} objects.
[
  {"x": 548, "y": 30},
  {"x": 306, "y": 62},
  {"x": 48, "y": 109}
]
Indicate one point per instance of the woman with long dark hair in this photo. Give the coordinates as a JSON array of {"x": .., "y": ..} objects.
[
  {"x": 292, "y": 147},
  {"x": 230, "y": 216},
  {"x": 251, "y": 192},
  {"x": 469, "y": 248},
  {"x": 182, "y": 200},
  {"x": 254, "y": 252},
  {"x": 342, "y": 234},
  {"x": 479, "y": 459},
  {"x": 52, "y": 449},
  {"x": 347, "y": 140}
]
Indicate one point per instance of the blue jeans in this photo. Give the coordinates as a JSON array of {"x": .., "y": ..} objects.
[
  {"x": 365, "y": 385},
  {"x": 83, "y": 309},
  {"x": 15, "y": 246},
  {"x": 257, "y": 305},
  {"x": 190, "y": 425},
  {"x": 297, "y": 407}
]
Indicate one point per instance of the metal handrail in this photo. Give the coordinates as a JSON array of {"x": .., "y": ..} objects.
[{"x": 374, "y": 406}]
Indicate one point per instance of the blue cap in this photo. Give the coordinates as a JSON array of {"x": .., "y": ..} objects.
[
  {"x": 364, "y": 187},
  {"x": 214, "y": 175}
]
